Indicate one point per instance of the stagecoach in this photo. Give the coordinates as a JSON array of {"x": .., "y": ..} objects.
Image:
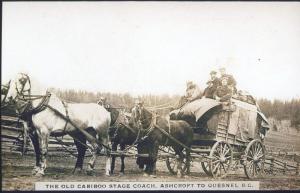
[{"x": 225, "y": 134}]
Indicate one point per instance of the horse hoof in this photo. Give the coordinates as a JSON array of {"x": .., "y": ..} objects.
[
  {"x": 39, "y": 174},
  {"x": 90, "y": 172},
  {"x": 34, "y": 170},
  {"x": 153, "y": 176},
  {"x": 146, "y": 175},
  {"x": 141, "y": 170},
  {"x": 77, "y": 171}
]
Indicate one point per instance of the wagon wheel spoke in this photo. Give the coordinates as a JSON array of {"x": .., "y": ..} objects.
[
  {"x": 221, "y": 158},
  {"x": 215, "y": 167},
  {"x": 255, "y": 154},
  {"x": 228, "y": 150},
  {"x": 251, "y": 158},
  {"x": 255, "y": 148},
  {"x": 224, "y": 149}
]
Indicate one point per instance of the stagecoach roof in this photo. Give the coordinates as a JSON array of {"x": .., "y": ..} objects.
[{"x": 200, "y": 106}]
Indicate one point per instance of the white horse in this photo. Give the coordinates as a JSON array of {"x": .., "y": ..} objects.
[{"x": 43, "y": 111}]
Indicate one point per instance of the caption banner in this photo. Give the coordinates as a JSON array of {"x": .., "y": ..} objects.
[{"x": 206, "y": 185}]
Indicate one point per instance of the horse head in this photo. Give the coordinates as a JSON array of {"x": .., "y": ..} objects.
[
  {"x": 20, "y": 93},
  {"x": 141, "y": 117},
  {"x": 4, "y": 91},
  {"x": 19, "y": 87}
]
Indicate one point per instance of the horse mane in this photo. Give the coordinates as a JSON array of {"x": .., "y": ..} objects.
[{"x": 147, "y": 117}]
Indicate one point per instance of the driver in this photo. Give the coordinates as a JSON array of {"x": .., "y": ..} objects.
[{"x": 136, "y": 113}]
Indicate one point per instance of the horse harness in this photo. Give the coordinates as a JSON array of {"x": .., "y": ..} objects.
[{"x": 67, "y": 115}]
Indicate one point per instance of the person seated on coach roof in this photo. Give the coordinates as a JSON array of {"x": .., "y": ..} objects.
[
  {"x": 231, "y": 81},
  {"x": 192, "y": 91},
  {"x": 213, "y": 84},
  {"x": 223, "y": 92}
]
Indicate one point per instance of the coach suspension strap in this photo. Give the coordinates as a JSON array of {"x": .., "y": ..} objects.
[
  {"x": 67, "y": 114},
  {"x": 169, "y": 125}
]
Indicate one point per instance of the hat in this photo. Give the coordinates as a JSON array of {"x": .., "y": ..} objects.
[
  {"x": 209, "y": 82},
  {"x": 224, "y": 78},
  {"x": 189, "y": 83},
  {"x": 213, "y": 72},
  {"x": 138, "y": 101}
]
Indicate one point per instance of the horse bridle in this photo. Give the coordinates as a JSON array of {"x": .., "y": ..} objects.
[
  {"x": 4, "y": 91},
  {"x": 28, "y": 98}
]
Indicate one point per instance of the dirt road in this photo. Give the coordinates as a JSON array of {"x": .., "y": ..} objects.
[{"x": 16, "y": 174}]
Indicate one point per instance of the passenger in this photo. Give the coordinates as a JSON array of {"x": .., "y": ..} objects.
[
  {"x": 230, "y": 79},
  {"x": 213, "y": 84},
  {"x": 223, "y": 92},
  {"x": 192, "y": 91}
]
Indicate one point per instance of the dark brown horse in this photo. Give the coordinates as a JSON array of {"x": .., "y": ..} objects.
[
  {"x": 155, "y": 128},
  {"x": 122, "y": 134}
]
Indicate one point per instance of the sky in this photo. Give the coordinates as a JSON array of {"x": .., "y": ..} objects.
[{"x": 154, "y": 47}]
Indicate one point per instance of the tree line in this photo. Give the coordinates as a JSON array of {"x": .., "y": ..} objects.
[
  {"x": 282, "y": 110},
  {"x": 278, "y": 109}
]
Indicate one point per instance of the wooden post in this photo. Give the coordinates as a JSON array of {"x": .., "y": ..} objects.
[
  {"x": 272, "y": 165},
  {"x": 284, "y": 168}
]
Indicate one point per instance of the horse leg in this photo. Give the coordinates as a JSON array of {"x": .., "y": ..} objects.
[
  {"x": 113, "y": 157},
  {"x": 147, "y": 169},
  {"x": 108, "y": 157},
  {"x": 81, "y": 149},
  {"x": 154, "y": 159},
  {"x": 188, "y": 161},
  {"x": 122, "y": 160},
  {"x": 43, "y": 137},
  {"x": 35, "y": 142},
  {"x": 91, "y": 163},
  {"x": 179, "y": 158}
]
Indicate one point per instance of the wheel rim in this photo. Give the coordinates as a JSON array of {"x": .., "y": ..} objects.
[
  {"x": 221, "y": 156},
  {"x": 254, "y": 159},
  {"x": 205, "y": 167},
  {"x": 171, "y": 163}
]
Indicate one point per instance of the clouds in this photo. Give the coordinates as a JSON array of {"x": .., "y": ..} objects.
[{"x": 154, "y": 47}]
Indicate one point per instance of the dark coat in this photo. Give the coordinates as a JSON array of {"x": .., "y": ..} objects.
[
  {"x": 231, "y": 80},
  {"x": 223, "y": 92},
  {"x": 210, "y": 90}
]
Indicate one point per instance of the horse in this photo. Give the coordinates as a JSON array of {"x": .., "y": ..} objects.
[
  {"x": 122, "y": 134},
  {"x": 49, "y": 115},
  {"x": 155, "y": 129}
]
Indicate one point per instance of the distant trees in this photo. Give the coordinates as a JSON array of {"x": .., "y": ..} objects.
[
  {"x": 116, "y": 99},
  {"x": 277, "y": 109},
  {"x": 281, "y": 110}
]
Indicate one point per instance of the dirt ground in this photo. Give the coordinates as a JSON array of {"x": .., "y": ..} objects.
[{"x": 16, "y": 174}]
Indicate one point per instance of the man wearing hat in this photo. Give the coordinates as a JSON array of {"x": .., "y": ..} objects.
[
  {"x": 136, "y": 113},
  {"x": 192, "y": 91},
  {"x": 223, "y": 92},
  {"x": 212, "y": 85},
  {"x": 230, "y": 80}
]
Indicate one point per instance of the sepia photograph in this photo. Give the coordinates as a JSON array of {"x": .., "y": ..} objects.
[{"x": 149, "y": 95}]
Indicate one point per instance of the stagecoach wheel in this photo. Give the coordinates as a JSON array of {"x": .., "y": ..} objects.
[
  {"x": 171, "y": 163},
  {"x": 205, "y": 167},
  {"x": 221, "y": 156},
  {"x": 254, "y": 159}
]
